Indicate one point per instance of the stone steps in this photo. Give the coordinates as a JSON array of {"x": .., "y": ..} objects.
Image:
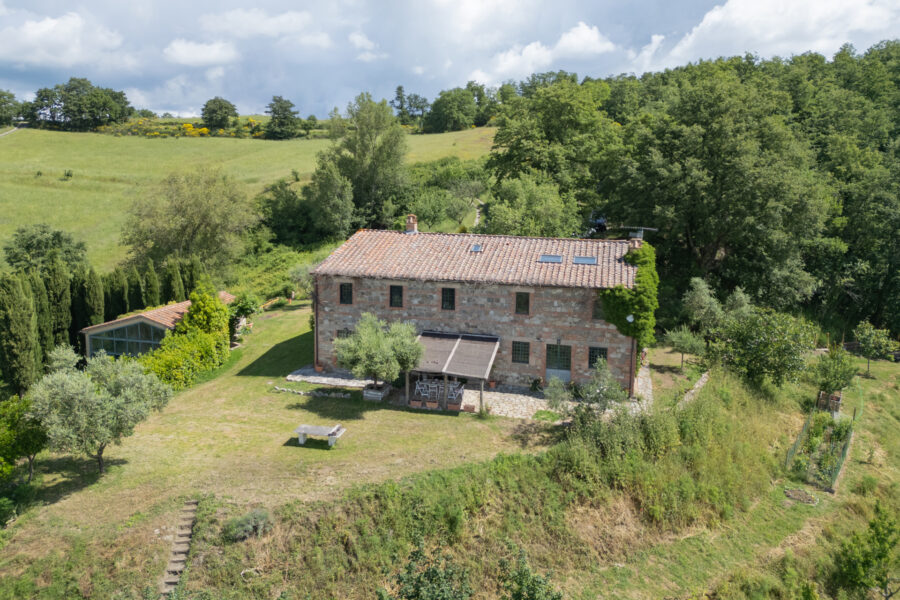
[{"x": 181, "y": 545}]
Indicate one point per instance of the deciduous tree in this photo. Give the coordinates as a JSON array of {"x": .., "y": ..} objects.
[
  {"x": 217, "y": 112},
  {"x": 202, "y": 212},
  {"x": 35, "y": 246}
]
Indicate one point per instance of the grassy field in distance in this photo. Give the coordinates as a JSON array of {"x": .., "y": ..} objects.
[{"x": 108, "y": 172}]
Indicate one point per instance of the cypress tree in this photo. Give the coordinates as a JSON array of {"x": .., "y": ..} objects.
[
  {"x": 172, "y": 285},
  {"x": 119, "y": 292},
  {"x": 59, "y": 297},
  {"x": 42, "y": 313},
  {"x": 19, "y": 341},
  {"x": 108, "y": 307},
  {"x": 93, "y": 299},
  {"x": 79, "y": 320},
  {"x": 135, "y": 290},
  {"x": 194, "y": 274},
  {"x": 151, "y": 285}
]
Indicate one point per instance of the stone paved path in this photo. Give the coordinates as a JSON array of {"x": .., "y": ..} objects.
[
  {"x": 643, "y": 387},
  {"x": 506, "y": 401},
  {"x": 691, "y": 393},
  {"x": 337, "y": 378}
]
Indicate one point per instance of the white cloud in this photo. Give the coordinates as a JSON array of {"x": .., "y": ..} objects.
[
  {"x": 360, "y": 41},
  {"x": 779, "y": 27},
  {"x": 65, "y": 41},
  {"x": 581, "y": 41},
  {"x": 370, "y": 56},
  {"x": 418, "y": 70},
  {"x": 198, "y": 54},
  {"x": 243, "y": 23},
  {"x": 641, "y": 61},
  {"x": 291, "y": 25}
]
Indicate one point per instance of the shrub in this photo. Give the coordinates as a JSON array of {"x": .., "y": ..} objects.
[
  {"x": 834, "y": 370},
  {"x": 7, "y": 510},
  {"x": 867, "y": 485},
  {"x": 255, "y": 523},
  {"x": 183, "y": 356}
]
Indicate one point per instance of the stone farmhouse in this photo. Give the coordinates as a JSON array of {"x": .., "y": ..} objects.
[{"x": 491, "y": 307}]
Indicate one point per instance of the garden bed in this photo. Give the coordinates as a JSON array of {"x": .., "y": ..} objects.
[{"x": 819, "y": 452}]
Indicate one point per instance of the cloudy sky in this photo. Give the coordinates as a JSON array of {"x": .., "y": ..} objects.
[{"x": 173, "y": 56}]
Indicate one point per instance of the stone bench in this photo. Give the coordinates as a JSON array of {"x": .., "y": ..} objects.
[{"x": 332, "y": 433}]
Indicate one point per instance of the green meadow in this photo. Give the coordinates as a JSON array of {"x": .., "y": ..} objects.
[{"x": 109, "y": 171}]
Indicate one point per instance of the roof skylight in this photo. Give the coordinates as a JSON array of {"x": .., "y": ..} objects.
[
  {"x": 476, "y": 247},
  {"x": 550, "y": 258},
  {"x": 584, "y": 260}
]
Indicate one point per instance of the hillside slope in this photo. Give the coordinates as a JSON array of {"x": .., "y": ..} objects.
[{"x": 108, "y": 171}]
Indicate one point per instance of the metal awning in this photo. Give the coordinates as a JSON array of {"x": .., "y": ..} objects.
[{"x": 459, "y": 354}]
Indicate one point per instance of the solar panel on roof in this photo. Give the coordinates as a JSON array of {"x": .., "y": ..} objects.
[
  {"x": 550, "y": 258},
  {"x": 584, "y": 260},
  {"x": 476, "y": 247}
]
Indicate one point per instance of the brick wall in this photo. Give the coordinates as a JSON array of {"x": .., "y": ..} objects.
[{"x": 555, "y": 313}]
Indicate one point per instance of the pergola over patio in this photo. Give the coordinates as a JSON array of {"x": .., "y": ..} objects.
[{"x": 466, "y": 355}]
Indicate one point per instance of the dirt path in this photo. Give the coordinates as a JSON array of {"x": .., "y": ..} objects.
[{"x": 16, "y": 129}]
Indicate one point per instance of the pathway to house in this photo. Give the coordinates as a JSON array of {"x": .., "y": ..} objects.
[{"x": 16, "y": 129}]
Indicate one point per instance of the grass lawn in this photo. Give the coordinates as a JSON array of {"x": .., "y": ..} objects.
[
  {"x": 232, "y": 437},
  {"x": 109, "y": 171},
  {"x": 670, "y": 378}
]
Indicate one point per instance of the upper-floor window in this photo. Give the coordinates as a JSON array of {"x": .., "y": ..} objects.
[
  {"x": 343, "y": 333},
  {"x": 595, "y": 353},
  {"x": 396, "y": 296},
  {"x": 597, "y": 309},
  {"x": 523, "y": 301},
  {"x": 448, "y": 298},
  {"x": 346, "y": 293}
]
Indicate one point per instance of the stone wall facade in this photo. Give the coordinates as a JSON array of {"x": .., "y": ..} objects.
[{"x": 563, "y": 314}]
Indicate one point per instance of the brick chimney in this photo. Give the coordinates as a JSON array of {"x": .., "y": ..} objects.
[{"x": 412, "y": 224}]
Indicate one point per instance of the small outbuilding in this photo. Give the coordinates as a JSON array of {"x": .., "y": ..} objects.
[{"x": 133, "y": 335}]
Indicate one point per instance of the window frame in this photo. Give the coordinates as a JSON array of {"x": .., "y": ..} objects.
[
  {"x": 513, "y": 354},
  {"x": 341, "y": 288},
  {"x": 448, "y": 292},
  {"x": 391, "y": 290},
  {"x": 557, "y": 365},
  {"x": 527, "y": 296},
  {"x": 603, "y": 353}
]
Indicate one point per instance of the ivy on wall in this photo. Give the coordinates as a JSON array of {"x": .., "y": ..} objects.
[{"x": 641, "y": 301}]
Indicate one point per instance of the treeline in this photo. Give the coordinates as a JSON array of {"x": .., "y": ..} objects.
[
  {"x": 778, "y": 176},
  {"x": 52, "y": 293},
  {"x": 77, "y": 105}
]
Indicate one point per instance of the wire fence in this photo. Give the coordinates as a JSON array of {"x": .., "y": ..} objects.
[{"x": 798, "y": 441}]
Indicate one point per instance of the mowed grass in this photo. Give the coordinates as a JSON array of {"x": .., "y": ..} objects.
[
  {"x": 233, "y": 437},
  {"x": 109, "y": 172}
]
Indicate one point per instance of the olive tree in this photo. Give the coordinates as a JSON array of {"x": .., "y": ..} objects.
[
  {"x": 375, "y": 351},
  {"x": 685, "y": 341},
  {"x": 834, "y": 370},
  {"x": 83, "y": 412}
]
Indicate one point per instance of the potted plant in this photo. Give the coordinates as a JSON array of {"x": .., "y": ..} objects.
[
  {"x": 432, "y": 404},
  {"x": 455, "y": 404},
  {"x": 415, "y": 402},
  {"x": 319, "y": 368}
]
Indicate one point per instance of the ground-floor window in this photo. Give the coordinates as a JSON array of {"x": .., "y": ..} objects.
[
  {"x": 595, "y": 353},
  {"x": 520, "y": 352}
]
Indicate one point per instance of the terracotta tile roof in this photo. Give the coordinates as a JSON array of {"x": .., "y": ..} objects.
[
  {"x": 167, "y": 316},
  {"x": 510, "y": 260}
]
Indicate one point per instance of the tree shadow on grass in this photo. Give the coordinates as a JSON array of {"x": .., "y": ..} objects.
[
  {"x": 73, "y": 473},
  {"x": 282, "y": 358},
  {"x": 355, "y": 408},
  {"x": 675, "y": 370}
]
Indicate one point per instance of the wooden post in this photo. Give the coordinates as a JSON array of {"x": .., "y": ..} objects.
[
  {"x": 443, "y": 404},
  {"x": 407, "y": 388},
  {"x": 481, "y": 397}
]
